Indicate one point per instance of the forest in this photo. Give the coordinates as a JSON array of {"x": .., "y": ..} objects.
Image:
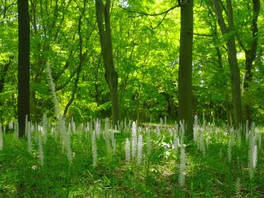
[
  {"x": 145, "y": 49},
  {"x": 132, "y": 96}
]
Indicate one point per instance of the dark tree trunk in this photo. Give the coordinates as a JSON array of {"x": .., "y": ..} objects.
[
  {"x": 82, "y": 56},
  {"x": 221, "y": 67},
  {"x": 185, "y": 68},
  {"x": 232, "y": 57},
  {"x": 235, "y": 82},
  {"x": 251, "y": 55},
  {"x": 103, "y": 21},
  {"x": 23, "y": 65},
  {"x": 3, "y": 73}
]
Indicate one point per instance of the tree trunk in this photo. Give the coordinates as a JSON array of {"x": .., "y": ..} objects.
[
  {"x": 82, "y": 56},
  {"x": 23, "y": 65},
  {"x": 185, "y": 68},
  {"x": 3, "y": 74},
  {"x": 221, "y": 67},
  {"x": 251, "y": 55},
  {"x": 235, "y": 82},
  {"x": 103, "y": 22},
  {"x": 232, "y": 58}
]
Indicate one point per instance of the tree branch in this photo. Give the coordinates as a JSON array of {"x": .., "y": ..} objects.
[
  {"x": 140, "y": 13},
  {"x": 160, "y": 21},
  {"x": 206, "y": 35}
]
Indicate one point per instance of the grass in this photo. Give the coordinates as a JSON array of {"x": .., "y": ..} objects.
[{"x": 69, "y": 170}]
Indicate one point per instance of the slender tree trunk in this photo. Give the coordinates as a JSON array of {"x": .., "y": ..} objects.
[
  {"x": 23, "y": 65},
  {"x": 3, "y": 74},
  {"x": 235, "y": 82},
  {"x": 103, "y": 22},
  {"x": 251, "y": 55},
  {"x": 229, "y": 112},
  {"x": 82, "y": 56},
  {"x": 232, "y": 58},
  {"x": 185, "y": 68},
  {"x": 221, "y": 67}
]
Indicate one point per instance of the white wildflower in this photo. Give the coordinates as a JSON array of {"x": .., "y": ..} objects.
[
  {"x": 68, "y": 146},
  {"x": 157, "y": 130},
  {"x": 94, "y": 149},
  {"x": 176, "y": 142},
  {"x": 107, "y": 142},
  {"x": 127, "y": 150},
  {"x": 97, "y": 127},
  {"x": 40, "y": 150},
  {"x": 73, "y": 125},
  {"x": 29, "y": 137},
  {"x": 134, "y": 140},
  {"x": 11, "y": 125},
  {"x": 255, "y": 156},
  {"x": 202, "y": 142},
  {"x": 53, "y": 92},
  {"x": 182, "y": 167},
  {"x": 182, "y": 131},
  {"x": 239, "y": 137},
  {"x": 140, "y": 146},
  {"x": 16, "y": 129},
  {"x": 195, "y": 130},
  {"x": 161, "y": 122},
  {"x": 45, "y": 127},
  {"x": 113, "y": 141},
  {"x": 34, "y": 167}
]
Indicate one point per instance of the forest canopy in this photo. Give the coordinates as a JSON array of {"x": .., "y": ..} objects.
[{"x": 145, "y": 39}]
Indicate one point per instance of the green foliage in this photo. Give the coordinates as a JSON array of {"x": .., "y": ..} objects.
[{"x": 146, "y": 50}]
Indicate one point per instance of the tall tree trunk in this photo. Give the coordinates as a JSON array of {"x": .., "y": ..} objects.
[
  {"x": 232, "y": 58},
  {"x": 3, "y": 72},
  {"x": 82, "y": 56},
  {"x": 185, "y": 68},
  {"x": 23, "y": 65},
  {"x": 220, "y": 65},
  {"x": 103, "y": 22},
  {"x": 251, "y": 55}
]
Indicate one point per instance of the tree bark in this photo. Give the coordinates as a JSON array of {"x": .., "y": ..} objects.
[
  {"x": 3, "y": 74},
  {"x": 251, "y": 55},
  {"x": 23, "y": 65},
  {"x": 185, "y": 68},
  {"x": 103, "y": 22},
  {"x": 232, "y": 58}
]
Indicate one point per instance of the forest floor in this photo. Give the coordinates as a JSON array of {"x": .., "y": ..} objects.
[{"x": 132, "y": 162}]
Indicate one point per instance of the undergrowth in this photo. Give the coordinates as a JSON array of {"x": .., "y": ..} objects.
[{"x": 216, "y": 163}]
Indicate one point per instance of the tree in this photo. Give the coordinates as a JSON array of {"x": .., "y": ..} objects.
[
  {"x": 185, "y": 67},
  {"x": 145, "y": 43},
  {"x": 3, "y": 74},
  {"x": 103, "y": 22},
  {"x": 23, "y": 65},
  {"x": 250, "y": 52},
  {"x": 82, "y": 56},
  {"x": 228, "y": 31}
]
